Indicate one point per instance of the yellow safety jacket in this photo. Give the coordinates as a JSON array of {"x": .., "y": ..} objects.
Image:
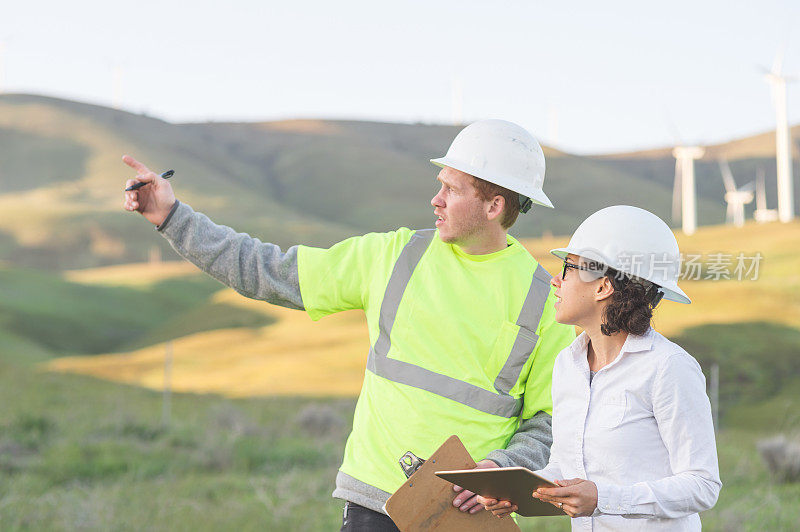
[{"x": 461, "y": 344}]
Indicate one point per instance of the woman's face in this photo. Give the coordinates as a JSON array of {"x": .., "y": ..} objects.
[{"x": 576, "y": 291}]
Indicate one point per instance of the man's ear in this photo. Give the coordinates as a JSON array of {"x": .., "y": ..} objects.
[
  {"x": 495, "y": 208},
  {"x": 604, "y": 289}
]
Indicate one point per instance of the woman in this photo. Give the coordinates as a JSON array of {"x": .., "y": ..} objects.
[{"x": 633, "y": 438}]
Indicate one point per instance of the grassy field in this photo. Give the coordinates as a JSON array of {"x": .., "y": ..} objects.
[
  {"x": 255, "y": 440},
  {"x": 80, "y": 453},
  {"x": 244, "y": 362}
]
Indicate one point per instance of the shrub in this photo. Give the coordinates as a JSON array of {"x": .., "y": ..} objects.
[
  {"x": 231, "y": 423},
  {"x": 782, "y": 456},
  {"x": 320, "y": 420},
  {"x": 30, "y": 431}
]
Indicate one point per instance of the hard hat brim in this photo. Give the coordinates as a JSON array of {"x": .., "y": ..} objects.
[
  {"x": 672, "y": 291},
  {"x": 536, "y": 195}
]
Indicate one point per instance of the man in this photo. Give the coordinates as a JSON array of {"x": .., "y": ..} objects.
[{"x": 460, "y": 319}]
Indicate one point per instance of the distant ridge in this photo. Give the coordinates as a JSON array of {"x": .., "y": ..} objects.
[
  {"x": 290, "y": 181},
  {"x": 761, "y": 145}
]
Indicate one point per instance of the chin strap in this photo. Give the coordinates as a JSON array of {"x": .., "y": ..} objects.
[
  {"x": 657, "y": 298},
  {"x": 525, "y": 203}
]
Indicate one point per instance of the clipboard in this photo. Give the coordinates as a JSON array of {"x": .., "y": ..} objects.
[
  {"x": 514, "y": 484},
  {"x": 425, "y": 502}
]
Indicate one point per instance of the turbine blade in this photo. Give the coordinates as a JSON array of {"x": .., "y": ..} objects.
[
  {"x": 749, "y": 187},
  {"x": 727, "y": 175},
  {"x": 676, "y": 193},
  {"x": 673, "y": 129},
  {"x": 761, "y": 194},
  {"x": 777, "y": 64}
]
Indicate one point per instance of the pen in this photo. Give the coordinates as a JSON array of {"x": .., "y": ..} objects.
[{"x": 140, "y": 184}]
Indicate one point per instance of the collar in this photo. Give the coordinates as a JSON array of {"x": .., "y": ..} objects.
[
  {"x": 633, "y": 344},
  {"x": 513, "y": 247},
  {"x": 637, "y": 344},
  {"x": 579, "y": 345}
]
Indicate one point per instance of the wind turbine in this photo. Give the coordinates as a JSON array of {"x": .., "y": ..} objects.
[
  {"x": 457, "y": 101},
  {"x": 783, "y": 151},
  {"x": 735, "y": 198},
  {"x": 762, "y": 214},
  {"x": 116, "y": 87},
  {"x": 684, "y": 180},
  {"x": 552, "y": 125}
]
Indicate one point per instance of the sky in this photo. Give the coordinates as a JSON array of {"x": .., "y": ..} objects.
[{"x": 583, "y": 76}]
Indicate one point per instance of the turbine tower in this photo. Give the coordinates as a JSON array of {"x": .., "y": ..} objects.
[
  {"x": 684, "y": 179},
  {"x": 762, "y": 214},
  {"x": 783, "y": 151},
  {"x": 735, "y": 198},
  {"x": 2, "y": 67}
]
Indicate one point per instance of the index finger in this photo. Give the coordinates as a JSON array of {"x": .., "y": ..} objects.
[
  {"x": 136, "y": 165},
  {"x": 484, "y": 501},
  {"x": 498, "y": 505},
  {"x": 555, "y": 492}
]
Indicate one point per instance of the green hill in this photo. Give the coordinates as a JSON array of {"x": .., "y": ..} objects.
[
  {"x": 80, "y": 453},
  {"x": 61, "y": 181},
  {"x": 759, "y": 146},
  {"x": 42, "y": 314},
  {"x": 377, "y": 176},
  {"x": 309, "y": 181}
]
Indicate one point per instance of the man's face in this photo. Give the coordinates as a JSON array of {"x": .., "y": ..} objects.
[{"x": 461, "y": 213}]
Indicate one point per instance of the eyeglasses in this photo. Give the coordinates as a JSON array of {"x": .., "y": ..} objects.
[{"x": 595, "y": 269}]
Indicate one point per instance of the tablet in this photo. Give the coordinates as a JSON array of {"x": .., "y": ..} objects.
[{"x": 515, "y": 484}]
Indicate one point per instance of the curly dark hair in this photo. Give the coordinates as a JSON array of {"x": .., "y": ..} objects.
[{"x": 631, "y": 306}]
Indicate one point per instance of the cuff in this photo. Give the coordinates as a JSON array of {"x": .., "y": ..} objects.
[
  {"x": 169, "y": 216},
  {"x": 613, "y": 499},
  {"x": 500, "y": 458},
  {"x": 551, "y": 474}
]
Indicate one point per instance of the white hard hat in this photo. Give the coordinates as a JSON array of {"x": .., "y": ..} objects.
[
  {"x": 502, "y": 153},
  {"x": 632, "y": 241}
]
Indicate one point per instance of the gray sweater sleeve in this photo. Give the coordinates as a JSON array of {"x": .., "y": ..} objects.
[
  {"x": 529, "y": 446},
  {"x": 253, "y": 268}
]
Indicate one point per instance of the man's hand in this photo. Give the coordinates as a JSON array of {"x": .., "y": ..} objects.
[
  {"x": 577, "y": 497},
  {"x": 466, "y": 500},
  {"x": 154, "y": 200},
  {"x": 499, "y": 508}
]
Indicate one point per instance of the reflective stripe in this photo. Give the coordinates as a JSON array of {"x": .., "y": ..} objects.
[
  {"x": 528, "y": 320},
  {"x": 401, "y": 275},
  {"x": 499, "y": 404}
]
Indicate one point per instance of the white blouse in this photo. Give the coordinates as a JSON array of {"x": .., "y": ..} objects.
[{"x": 642, "y": 432}]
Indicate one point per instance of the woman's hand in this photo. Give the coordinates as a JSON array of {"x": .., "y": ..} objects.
[
  {"x": 577, "y": 497},
  {"x": 498, "y": 508}
]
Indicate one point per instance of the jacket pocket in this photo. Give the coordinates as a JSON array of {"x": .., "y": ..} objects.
[{"x": 508, "y": 358}]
